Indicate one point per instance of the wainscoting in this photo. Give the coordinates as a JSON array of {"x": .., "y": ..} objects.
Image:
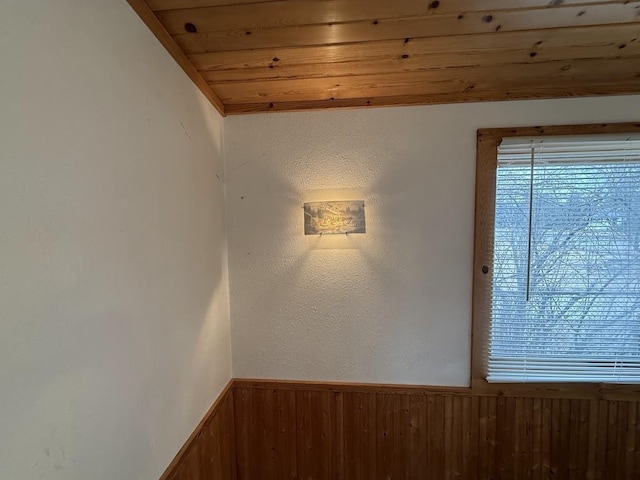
[
  {"x": 288, "y": 430},
  {"x": 209, "y": 453}
]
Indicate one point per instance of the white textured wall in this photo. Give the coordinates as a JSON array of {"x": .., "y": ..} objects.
[
  {"x": 393, "y": 305},
  {"x": 114, "y": 323}
]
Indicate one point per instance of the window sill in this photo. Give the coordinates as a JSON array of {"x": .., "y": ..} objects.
[{"x": 585, "y": 391}]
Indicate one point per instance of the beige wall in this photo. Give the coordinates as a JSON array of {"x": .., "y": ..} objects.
[
  {"x": 393, "y": 305},
  {"x": 114, "y": 323}
]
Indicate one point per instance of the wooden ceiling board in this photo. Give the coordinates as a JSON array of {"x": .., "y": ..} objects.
[
  {"x": 392, "y": 57},
  {"x": 408, "y": 27},
  {"x": 287, "y": 13},
  {"x": 601, "y": 38},
  {"x": 274, "y": 55},
  {"x": 448, "y": 80},
  {"x": 444, "y": 6},
  {"x": 159, "y": 5},
  {"x": 408, "y": 66}
]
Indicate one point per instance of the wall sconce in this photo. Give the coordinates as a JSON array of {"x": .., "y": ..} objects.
[{"x": 322, "y": 218}]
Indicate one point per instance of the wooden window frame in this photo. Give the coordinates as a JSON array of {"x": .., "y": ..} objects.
[{"x": 488, "y": 141}]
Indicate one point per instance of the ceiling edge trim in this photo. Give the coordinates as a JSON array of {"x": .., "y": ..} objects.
[
  {"x": 156, "y": 27},
  {"x": 428, "y": 99}
]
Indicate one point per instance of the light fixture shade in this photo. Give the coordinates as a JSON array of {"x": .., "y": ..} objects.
[{"x": 335, "y": 217}]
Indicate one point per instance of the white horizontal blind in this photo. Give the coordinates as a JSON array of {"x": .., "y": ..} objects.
[{"x": 566, "y": 276}]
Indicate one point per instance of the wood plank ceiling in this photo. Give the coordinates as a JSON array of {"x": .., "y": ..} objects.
[{"x": 273, "y": 55}]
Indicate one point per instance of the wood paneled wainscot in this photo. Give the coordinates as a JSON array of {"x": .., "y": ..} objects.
[
  {"x": 287, "y": 430},
  {"x": 209, "y": 453}
]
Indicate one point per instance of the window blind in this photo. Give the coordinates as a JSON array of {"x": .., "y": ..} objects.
[{"x": 566, "y": 268}]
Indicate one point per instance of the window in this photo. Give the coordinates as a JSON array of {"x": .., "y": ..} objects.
[{"x": 557, "y": 286}]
